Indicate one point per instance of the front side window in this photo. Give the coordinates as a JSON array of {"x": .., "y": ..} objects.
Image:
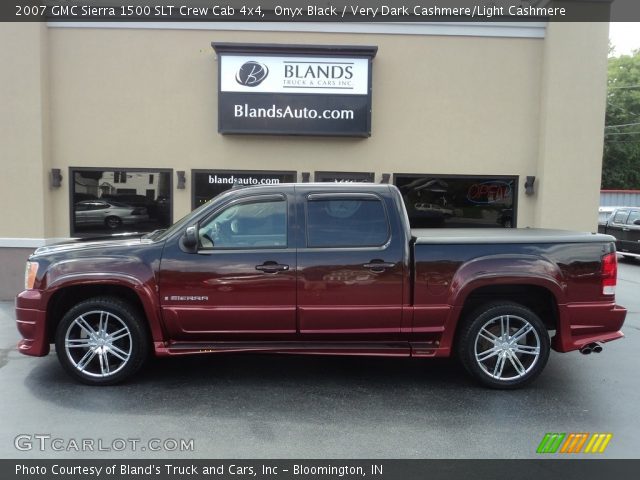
[
  {"x": 346, "y": 223},
  {"x": 621, "y": 216},
  {"x": 251, "y": 224}
]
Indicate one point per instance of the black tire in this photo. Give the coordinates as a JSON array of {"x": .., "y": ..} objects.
[
  {"x": 113, "y": 222},
  {"x": 119, "y": 349},
  {"x": 522, "y": 359}
]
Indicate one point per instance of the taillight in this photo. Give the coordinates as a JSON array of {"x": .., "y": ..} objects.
[{"x": 609, "y": 271}]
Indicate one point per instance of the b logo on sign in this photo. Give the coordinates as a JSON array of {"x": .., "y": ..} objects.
[{"x": 251, "y": 74}]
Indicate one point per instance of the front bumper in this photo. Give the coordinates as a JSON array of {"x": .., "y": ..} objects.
[
  {"x": 31, "y": 322},
  {"x": 582, "y": 324}
]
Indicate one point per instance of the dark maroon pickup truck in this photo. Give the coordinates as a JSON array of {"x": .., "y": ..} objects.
[{"x": 329, "y": 269}]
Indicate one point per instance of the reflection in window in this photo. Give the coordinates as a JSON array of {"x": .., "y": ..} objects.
[
  {"x": 247, "y": 225},
  {"x": 102, "y": 204},
  {"x": 456, "y": 201},
  {"x": 346, "y": 223}
]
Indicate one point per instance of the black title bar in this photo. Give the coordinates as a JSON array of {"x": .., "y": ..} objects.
[{"x": 320, "y": 11}]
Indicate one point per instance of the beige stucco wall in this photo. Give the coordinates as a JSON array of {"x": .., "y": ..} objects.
[
  {"x": 441, "y": 105},
  {"x": 24, "y": 131},
  {"x": 573, "y": 101}
]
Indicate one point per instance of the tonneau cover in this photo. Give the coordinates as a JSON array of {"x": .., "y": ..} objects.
[{"x": 503, "y": 235}]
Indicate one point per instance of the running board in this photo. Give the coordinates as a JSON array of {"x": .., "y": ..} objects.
[
  {"x": 401, "y": 349},
  {"x": 397, "y": 349}
]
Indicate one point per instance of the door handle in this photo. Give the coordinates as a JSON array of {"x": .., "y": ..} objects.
[
  {"x": 272, "y": 267},
  {"x": 378, "y": 265}
]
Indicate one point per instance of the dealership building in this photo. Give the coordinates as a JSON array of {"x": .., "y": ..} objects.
[{"x": 118, "y": 127}]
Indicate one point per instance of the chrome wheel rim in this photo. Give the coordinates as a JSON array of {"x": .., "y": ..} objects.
[
  {"x": 98, "y": 343},
  {"x": 507, "y": 347}
]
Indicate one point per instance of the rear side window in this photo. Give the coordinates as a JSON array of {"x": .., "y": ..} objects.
[
  {"x": 341, "y": 222},
  {"x": 621, "y": 216}
]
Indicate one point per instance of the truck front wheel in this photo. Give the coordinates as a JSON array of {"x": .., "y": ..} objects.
[
  {"x": 102, "y": 341},
  {"x": 503, "y": 345}
]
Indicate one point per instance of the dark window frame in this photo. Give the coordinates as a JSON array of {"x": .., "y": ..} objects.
[
  {"x": 227, "y": 171},
  {"x": 514, "y": 178},
  {"x": 72, "y": 171}
]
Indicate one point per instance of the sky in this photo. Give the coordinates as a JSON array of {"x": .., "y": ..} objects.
[{"x": 625, "y": 37}]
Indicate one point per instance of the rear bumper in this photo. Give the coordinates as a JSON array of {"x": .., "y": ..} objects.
[
  {"x": 31, "y": 323},
  {"x": 582, "y": 324}
]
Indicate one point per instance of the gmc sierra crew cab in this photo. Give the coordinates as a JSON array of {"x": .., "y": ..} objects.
[{"x": 331, "y": 269}]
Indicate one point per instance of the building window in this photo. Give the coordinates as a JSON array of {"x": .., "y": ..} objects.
[
  {"x": 459, "y": 200},
  {"x": 209, "y": 183},
  {"x": 343, "y": 177},
  {"x": 119, "y": 177},
  {"x": 99, "y": 205}
]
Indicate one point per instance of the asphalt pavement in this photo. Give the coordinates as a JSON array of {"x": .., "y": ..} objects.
[{"x": 270, "y": 406}]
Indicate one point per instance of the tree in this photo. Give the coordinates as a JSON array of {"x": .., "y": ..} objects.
[{"x": 621, "y": 162}]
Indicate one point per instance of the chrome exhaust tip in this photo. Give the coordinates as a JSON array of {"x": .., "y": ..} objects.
[{"x": 595, "y": 347}]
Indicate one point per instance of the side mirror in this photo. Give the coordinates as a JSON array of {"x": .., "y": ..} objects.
[
  {"x": 190, "y": 238},
  {"x": 637, "y": 222}
]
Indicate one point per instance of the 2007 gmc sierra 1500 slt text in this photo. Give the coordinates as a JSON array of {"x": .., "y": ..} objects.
[{"x": 328, "y": 269}]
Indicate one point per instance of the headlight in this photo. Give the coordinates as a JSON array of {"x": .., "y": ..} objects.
[{"x": 30, "y": 275}]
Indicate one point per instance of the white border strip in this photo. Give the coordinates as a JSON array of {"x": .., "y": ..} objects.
[
  {"x": 463, "y": 29},
  {"x": 12, "y": 242}
]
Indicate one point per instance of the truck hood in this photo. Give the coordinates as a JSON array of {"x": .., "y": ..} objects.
[{"x": 101, "y": 242}]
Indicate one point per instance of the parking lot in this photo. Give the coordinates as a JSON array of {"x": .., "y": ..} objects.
[{"x": 259, "y": 406}]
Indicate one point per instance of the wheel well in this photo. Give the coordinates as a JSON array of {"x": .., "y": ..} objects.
[
  {"x": 67, "y": 297},
  {"x": 538, "y": 299}
]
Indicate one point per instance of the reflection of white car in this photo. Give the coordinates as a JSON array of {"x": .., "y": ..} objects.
[
  {"x": 110, "y": 214},
  {"x": 432, "y": 208}
]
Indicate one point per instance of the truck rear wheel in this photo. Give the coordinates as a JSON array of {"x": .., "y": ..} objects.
[
  {"x": 503, "y": 345},
  {"x": 102, "y": 341}
]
